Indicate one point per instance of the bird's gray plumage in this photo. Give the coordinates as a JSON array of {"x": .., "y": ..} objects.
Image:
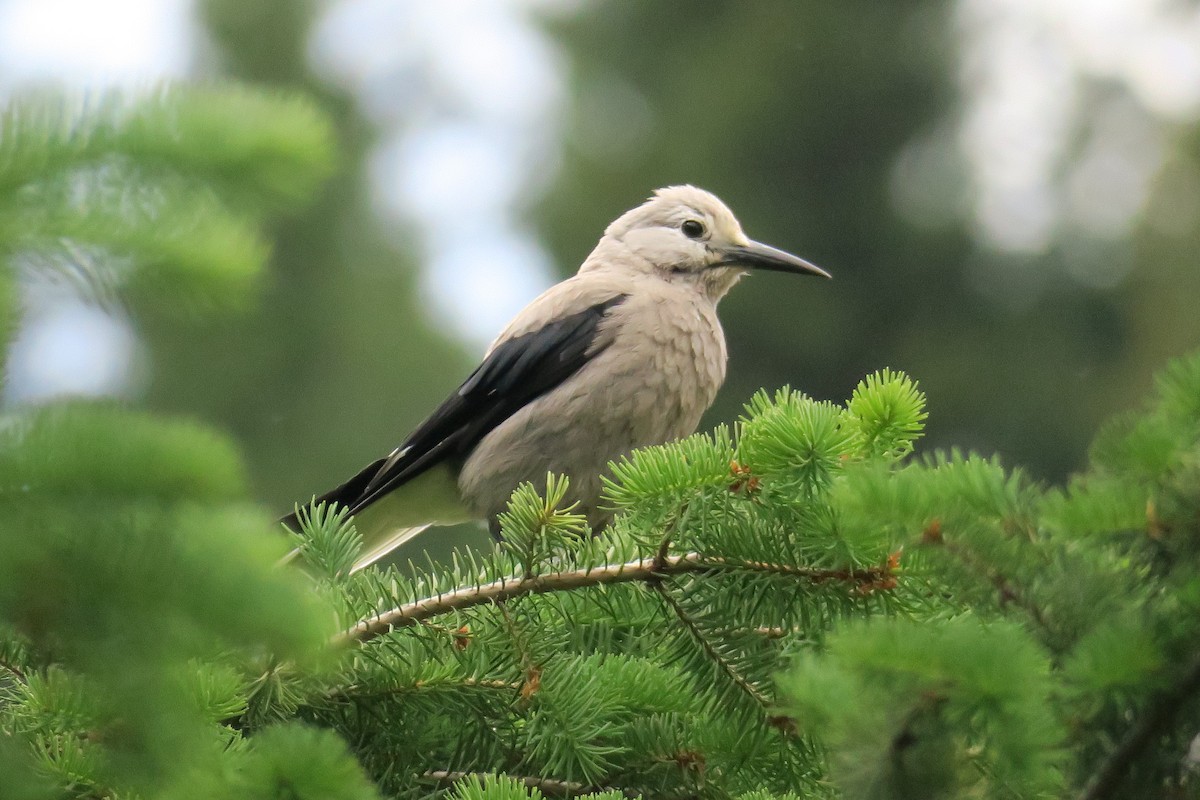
[{"x": 627, "y": 353}]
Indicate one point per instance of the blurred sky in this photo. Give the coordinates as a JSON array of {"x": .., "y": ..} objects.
[
  {"x": 465, "y": 150},
  {"x": 460, "y": 154}
]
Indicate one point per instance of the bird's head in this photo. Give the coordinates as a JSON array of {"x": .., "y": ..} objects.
[{"x": 687, "y": 235}]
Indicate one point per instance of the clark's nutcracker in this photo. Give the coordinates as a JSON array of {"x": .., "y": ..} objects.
[{"x": 625, "y": 354}]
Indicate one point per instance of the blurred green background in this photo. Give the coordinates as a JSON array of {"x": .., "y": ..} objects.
[{"x": 1007, "y": 194}]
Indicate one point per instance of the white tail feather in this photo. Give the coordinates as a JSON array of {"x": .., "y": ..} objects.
[
  {"x": 402, "y": 514},
  {"x": 397, "y": 538}
]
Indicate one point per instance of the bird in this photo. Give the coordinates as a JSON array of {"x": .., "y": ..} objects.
[{"x": 625, "y": 354}]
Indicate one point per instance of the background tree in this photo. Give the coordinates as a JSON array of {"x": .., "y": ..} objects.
[
  {"x": 139, "y": 597},
  {"x": 338, "y": 361}
]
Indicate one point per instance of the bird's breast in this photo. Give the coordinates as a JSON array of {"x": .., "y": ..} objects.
[
  {"x": 679, "y": 357},
  {"x": 659, "y": 363}
]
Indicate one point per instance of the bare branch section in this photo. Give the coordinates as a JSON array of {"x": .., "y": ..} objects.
[{"x": 638, "y": 570}]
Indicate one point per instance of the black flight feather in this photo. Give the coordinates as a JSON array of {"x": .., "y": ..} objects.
[{"x": 514, "y": 374}]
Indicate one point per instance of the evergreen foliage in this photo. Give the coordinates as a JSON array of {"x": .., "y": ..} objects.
[
  {"x": 140, "y": 605},
  {"x": 791, "y": 607}
]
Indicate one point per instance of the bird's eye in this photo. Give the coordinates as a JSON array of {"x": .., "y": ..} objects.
[{"x": 692, "y": 229}]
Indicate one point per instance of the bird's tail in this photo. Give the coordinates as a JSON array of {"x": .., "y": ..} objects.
[
  {"x": 395, "y": 538},
  {"x": 396, "y": 517},
  {"x": 344, "y": 495}
]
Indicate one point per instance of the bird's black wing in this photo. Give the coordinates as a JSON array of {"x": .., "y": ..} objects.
[{"x": 514, "y": 374}]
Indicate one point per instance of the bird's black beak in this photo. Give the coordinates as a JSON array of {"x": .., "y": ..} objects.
[{"x": 755, "y": 255}]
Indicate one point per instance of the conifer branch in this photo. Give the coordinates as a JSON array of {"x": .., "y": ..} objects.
[
  {"x": 765, "y": 631},
  {"x": 14, "y": 670},
  {"x": 521, "y": 642},
  {"x": 357, "y": 693},
  {"x": 771, "y": 631},
  {"x": 529, "y": 668},
  {"x": 928, "y": 703},
  {"x": 664, "y": 545},
  {"x": 1153, "y": 723},
  {"x": 697, "y": 634},
  {"x": 549, "y": 786},
  {"x": 1008, "y": 593},
  {"x": 638, "y": 570}
]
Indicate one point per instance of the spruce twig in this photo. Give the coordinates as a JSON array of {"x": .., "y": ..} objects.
[
  {"x": 1156, "y": 720},
  {"x": 1005, "y": 589},
  {"x": 637, "y": 570},
  {"x": 354, "y": 692},
  {"x": 549, "y": 786},
  {"x": 14, "y": 670},
  {"x": 698, "y": 636}
]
